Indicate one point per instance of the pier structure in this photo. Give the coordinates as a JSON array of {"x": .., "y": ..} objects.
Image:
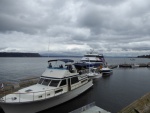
[
  {"x": 127, "y": 65},
  {"x": 90, "y": 108},
  {"x": 141, "y": 105}
]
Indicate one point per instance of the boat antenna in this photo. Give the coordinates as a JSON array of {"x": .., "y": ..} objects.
[
  {"x": 92, "y": 50},
  {"x": 48, "y": 47}
]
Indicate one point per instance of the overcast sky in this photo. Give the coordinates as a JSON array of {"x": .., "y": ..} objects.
[{"x": 111, "y": 27}]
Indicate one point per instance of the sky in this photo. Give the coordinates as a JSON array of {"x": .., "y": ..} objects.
[{"x": 73, "y": 27}]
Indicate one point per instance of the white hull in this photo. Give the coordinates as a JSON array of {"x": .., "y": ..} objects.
[
  {"x": 94, "y": 75},
  {"x": 36, "y": 106},
  {"x": 134, "y": 66}
]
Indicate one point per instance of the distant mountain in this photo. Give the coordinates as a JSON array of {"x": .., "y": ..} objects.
[{"x": 19, "y": 54}]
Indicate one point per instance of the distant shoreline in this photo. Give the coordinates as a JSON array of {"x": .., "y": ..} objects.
[
  {"x": 144, "y": 56},
  {"x": 21, "y": 54},
  {"x": 17, "y": 54}
]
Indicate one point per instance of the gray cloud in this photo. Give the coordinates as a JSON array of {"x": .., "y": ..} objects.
[
  {"x": 74, "y": 27},
  {"x": 106, "y": 2}
]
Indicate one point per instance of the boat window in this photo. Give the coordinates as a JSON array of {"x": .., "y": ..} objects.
[
  {"x": 63, "y": 82},
  {"x": 93, "y": 56},
  {"x": 50, "y": 65},
  {"x": 92, "y": 60},
  {"x": 60, "y": 90},
  {"x": 74, "y": 80},
  {"x": 46, "y": 82},
  {"x": 41, "y": 80},
  {"x": 54, "y": 83}
]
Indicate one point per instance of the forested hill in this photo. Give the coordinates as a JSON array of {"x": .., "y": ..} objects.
[
  {"x": 144, "y": 56},
  {"x": 16, "y": 54}
]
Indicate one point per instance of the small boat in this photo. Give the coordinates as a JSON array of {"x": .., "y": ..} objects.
[
  {"x": 59, "y": 83},
  {"x": 148, "y": 65},
  {"x": 93, "y": 73},
  {"x": 134, "y": 65},
  {"x": 106, "y": 71}
]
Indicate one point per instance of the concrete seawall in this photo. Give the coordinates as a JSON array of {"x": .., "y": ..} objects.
[
  {"x": 12, "y": 87},
  {"x": 142, "y": 105}
]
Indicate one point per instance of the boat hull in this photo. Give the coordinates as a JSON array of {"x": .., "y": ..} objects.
[
  {"x": 106, "y": 74},
  {"x": 36, "y": 106}
]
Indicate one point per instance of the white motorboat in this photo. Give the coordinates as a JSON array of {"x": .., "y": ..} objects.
[
  {"x": 93, "y": 73},
  {"x": 93, "y": 58},
  {"x": 134, "y": 65},
  {"x": 106, "y": 71},
  {"x": 57, "y": 85}
]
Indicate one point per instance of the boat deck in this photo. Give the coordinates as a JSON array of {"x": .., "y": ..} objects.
[{"x": 98, "y": 76}]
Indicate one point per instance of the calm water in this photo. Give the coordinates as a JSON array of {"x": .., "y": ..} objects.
[{"x": 112, "y": 93}]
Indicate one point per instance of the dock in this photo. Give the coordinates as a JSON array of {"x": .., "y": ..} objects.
[
  {"x": 90, "y": 108},
  {"x": 113, "y": 66},
  {"x": 130, "y": 65},
  {"x": 141, "y": 105}
]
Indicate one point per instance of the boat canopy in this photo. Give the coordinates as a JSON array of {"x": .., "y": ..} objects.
[{"x": 63, "y": 60}]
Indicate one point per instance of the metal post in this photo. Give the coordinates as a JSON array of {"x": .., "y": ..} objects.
[
  {"x": 54, "y": 91},
  {"x": 5, "y": 95},
  {"x": 45, "y": 94},
  {"x": 19, "y": 97}
]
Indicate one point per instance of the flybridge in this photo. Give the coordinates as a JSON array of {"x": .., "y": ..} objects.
[
  {"x": 93, "y": 55},
  {"x": 63, "y": 60}
]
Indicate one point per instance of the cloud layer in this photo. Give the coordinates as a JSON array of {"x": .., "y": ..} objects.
[{"x": 116, "y": 27}]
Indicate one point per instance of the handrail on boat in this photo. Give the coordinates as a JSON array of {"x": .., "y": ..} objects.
[
  {"x": 39, "y": 97},
  {"x": 43, "y": 96}
]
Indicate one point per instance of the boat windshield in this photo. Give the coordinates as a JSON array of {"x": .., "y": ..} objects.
[
  {"x": 54, "y": 83},
  {"x": 57, "y": 65},
  {"x": 46, "y": 82},
  {"x": 93, "y": 56},
  {"x": 41, "y": 80},
  {"x": 50, "y": 82}
]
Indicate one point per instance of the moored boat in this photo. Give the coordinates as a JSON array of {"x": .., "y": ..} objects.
[
  {"x": 93, "y": 58},
  {"x": 59, "y": 83},
  {"x": 93, "y": 73},
  {"x": 134, "y": 65},
  {"x": 106, "y": 71},
  {"x": 148, "y": 65}
]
